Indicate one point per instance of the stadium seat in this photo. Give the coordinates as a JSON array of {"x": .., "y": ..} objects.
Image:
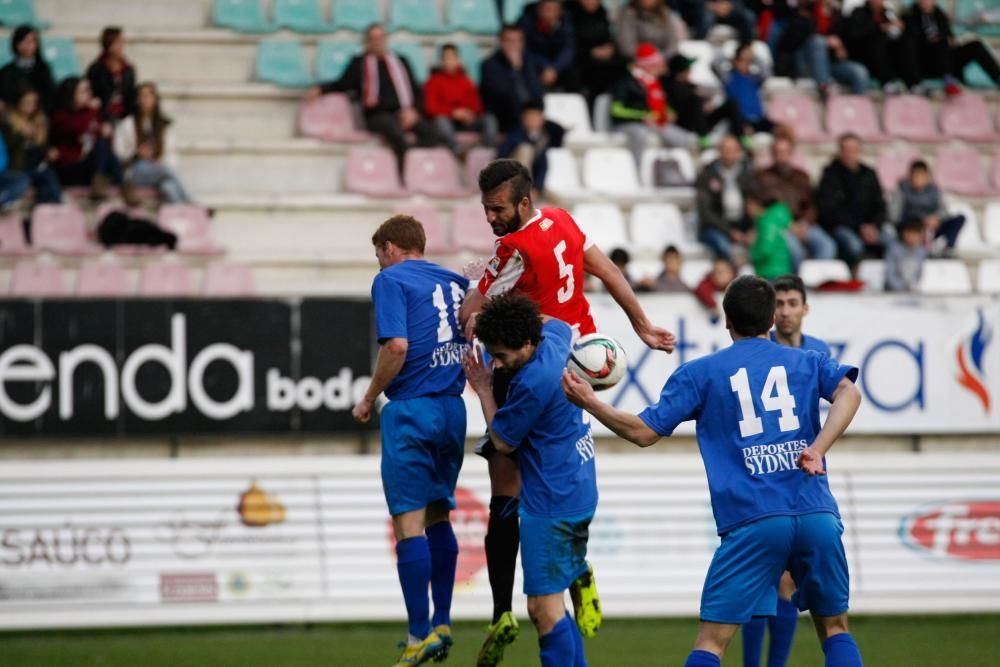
[
  {"x": 570, "y": 111},
  {"x": 228, "y": 279},
  {"x": 17, "y": 12},
  {"x": 61, "y": 229},
  {"x": 478, "y": 17},
  {"x": 995, "y": 171},
  {"x": 563, "y": 178},
  {"x": 967, "y": 117},
  {"x": 970, "y": 240},
  {"x": 191, "y": 224},
  {"x": 945, "y": 276},
  {"x": 435, "y": 229},
  {"x": 693, "y": 271},
  {"x": 475, "y": 161},
  {"x": 988, "y": 276},
  {"x": 355, "y": 15},
  {"x": 853, "y": 113},
  {"x": 330, "y": 118},
  {"x": 372, "y": 171},
  {"x": 602, "y": 113},
  {"x": 911, "y": 117},
  {"x": 300, "y": 15},
  {"x": 760, "y": 50},
  {"x": 102, "y": 279},
  {"x": 284, "y": 63},
  {"x": 416, "y": 16},
  {"x": 991, "y": 224},
  {"x": 603, "y": 223},
  {"x": 60, "y": 54},
  {"x": 470, "y": 230},
  {"x": 654, "y": 226},
  {"x": 241, "y": 16},
  {"x": 959, "y": 169},
  {"x": 611, "y": 171},
  {"x": 433, "y": 172},
  {"x": 37, "y": 279},
  {"x": 893, "y": 164},
  {"x": 132, "y": 250},
  {"x": 651, "y": 155},
  {"x": 333, "y": 57},
  {"x": 703, "y": 54},
  {"x": 815, "y": 272},
  {"x": 512, "y": 10},
  {"x": 12, "y": 241},
  {"x": 872, "y": 273},
  {"x": 801, "y": 113},
  {"x": 166, "y": 277},
  {"x": 414, "y": 54},
  {"x": 644, "y": 269}
]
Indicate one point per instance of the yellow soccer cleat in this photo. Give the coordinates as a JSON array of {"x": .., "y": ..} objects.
[
  {"x": 583, "y": 591},
  {"x": 444, "y": 632},
  {"x": 501, "y": 634},
  {"x": 417, "y": 654}
]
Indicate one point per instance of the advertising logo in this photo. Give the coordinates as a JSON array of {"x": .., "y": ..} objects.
[
  {"x": 189, "y": 587},
  {"x": 959, "y": 530},
  {"x": 258, "y": 508},
  {"x": 969, "y": 355}
]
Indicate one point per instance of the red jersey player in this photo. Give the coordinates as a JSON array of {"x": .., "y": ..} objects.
[{"x": 542, "y": 254}]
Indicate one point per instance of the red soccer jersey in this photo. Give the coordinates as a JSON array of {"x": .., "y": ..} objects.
[{"x": 544, "y": 261}]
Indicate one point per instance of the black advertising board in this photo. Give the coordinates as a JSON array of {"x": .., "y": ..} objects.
[{"x": 182, "y": 367}]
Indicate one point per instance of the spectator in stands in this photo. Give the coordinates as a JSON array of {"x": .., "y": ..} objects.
[
  {"x": 83, "y": 141},
  {"x": 850, "y": 204},
  {"x": 548, "y": 36},
  {"x": 694, "y": 112},
  {"x": 742, "y": 87},
  {"x": 13, "y": 184},
  {"x": 939, "y": 56},
  {"x": 918, "y": 198},
  {"x": 27, "y": 69},
  {"x": 452, "y": 101},
  {"x": 529, "y": 142},
  {"x": 783, "y": 181},
  {"x": 390, "y": 98},
  {"x": 639, "y": 106},
  {"x": 772, "y": 221},
  {"x": 904, "y": 260},
  {"x": 874, "y": 37},
  {"x": 719, "y": 190},
  {"x": 621, "y": 258},
  {"x": 715, "y": 282},
  {"x": 597, "y": 54},
  {"x": 26, "y": 134},
  {"x": 646, "y": 22},
  {"x": 510, "y": 79},
  {"x": 669, "y": 279},
  {"x": 728, "y": 12},
  {"x": 145, "y": 143},
  {"x": 112, "y": 77}
]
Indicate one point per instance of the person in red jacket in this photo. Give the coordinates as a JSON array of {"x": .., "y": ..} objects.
[{"x": 452, "y": 101}]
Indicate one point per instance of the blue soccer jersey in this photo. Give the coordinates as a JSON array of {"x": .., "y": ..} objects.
[
  {"x": 555, "y": 444},
  {"x": 419, "y": 301},
  {"x": 809, "y": 343},
  {"x": 756, "y": 406}
]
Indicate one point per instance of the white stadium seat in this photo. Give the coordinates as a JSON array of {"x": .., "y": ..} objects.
[
  {"x": 970, "y": 240},
  {"x": 945, "y": 276},
  {"x": 991, "y": 224},
  {"x": 815, "y": 272},
  {"x": 570, "y": 111},
  {"x": 603, "y": 224},
  {"x": 872, "y": 273},
  {"x": 654, "y": 226},
  {"x": 703, "y": 54},
  {"x": 611, "y": 171},
  {"x": 988, "y": 278},
  {"x": 693, "y": 271},
  {"x": 563, "y": 178}
]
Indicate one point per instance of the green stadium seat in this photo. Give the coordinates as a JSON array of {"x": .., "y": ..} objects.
[
  {"x": 241, "y": 16},
  {"x": 471, "y": 59},
  {"x": 355, "y": 15},
  {"x": 512, "y": 10},
  {"x": 300, "y": 16},
  {"x": 6, "y": 56},
  {"x": 478, "y": 17},
  {"x": 60, "y": 54},
  {"x": 416, "y": 16},
  {"x": 976, "y": 77},
  {"x": 17, "y": 12},
  {"x": 414, "y": 54},
  {"x": 971, "y": 15},
  {"x": 332, "y": 58},
  {"x": 283, "y": 62}
]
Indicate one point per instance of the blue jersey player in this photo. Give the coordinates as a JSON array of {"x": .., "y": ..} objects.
[
  {"x": 756, "y": 408},
  {"x": 555, "y": 457},
  {"x": 419, "y": 367}
]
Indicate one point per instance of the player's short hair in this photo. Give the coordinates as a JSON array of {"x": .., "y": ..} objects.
[
  {"x": 749, "y": 305},
  {"x": 500, "y": 172},
  {"x": 790, "y": 283},
  {"x": 403, "y": 231},
  {"x": 510, "y": 320}
]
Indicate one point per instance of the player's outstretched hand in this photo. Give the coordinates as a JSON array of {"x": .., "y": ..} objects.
[
  {"x": 362, "y": 412},
  {"x": 659, "y": 338},
  {"x": 479, "y": 375},
  {"x": 811, "y": 462},
  {"x": 577, "y": 390}
]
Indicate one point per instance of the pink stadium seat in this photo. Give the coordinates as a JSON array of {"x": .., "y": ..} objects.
[
  {"x": 475, "y": 161},
  {"x": 967, "y": 117},
  {"x": 330, "y": 118},
  {"x": 471, "y": 231},
  {"x": 192, "y": 226},
  {"x": 438, "y": 239},
  {"x": 61, "y": 229},
  {"x": 372, "y": 171},
  {"x": 228, "y": 279},
  {"x": 102, "y": 279},
  {"x": 166, "y": 278},
  {"x": 959, "y": 170},
  {"x": 853, "y": 113},
  {"x": 893, "y": 163},
  {"x": 36, "y": 279},
  {"x": 433, "y": 172},
  {"x": 12, "y": 241},
  {"x": 801, "y": 113},
  {"x": 911, "y": 117},
  {"x": 995, "y": 171}
]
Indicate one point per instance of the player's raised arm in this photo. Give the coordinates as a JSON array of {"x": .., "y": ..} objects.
[
  {"x": 624, "y": 424},
  {"x": 843, "y": 407},
  {"x": 596, "y": 263}
]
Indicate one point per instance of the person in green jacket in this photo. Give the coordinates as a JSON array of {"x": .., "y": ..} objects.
[{"x": 772, "y": 219}]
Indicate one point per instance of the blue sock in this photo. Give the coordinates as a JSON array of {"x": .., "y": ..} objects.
[
  {"x": 558, "y": 648},
  {"x": 413, "y": 562},
  {"x": 782, "y": 633},
  {"x": 580, "y": 655},
  {"x": 753, "y": 641},
  {"x": 703, "y": 659},
  {"x": 841, "y": 651},
  {"x": 444, "y": 555}
]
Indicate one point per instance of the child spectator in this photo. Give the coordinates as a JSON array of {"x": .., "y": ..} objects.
[
  {"x": 669, "y": 280},
  {"x": 904, "y": 260},
  {"x": 742, "y": 86},
  {"x": 918, "y": 198},
  {"x": 529, "y": 142},
  {"x": 452, "y": 101},
  {"x": 716, "y": 281},
  {"x": 112, "y": 77},
  {"x": 28, "y": 69},
  {"x": 26, "y": 133},
  {"x": 772, "y": 220}
]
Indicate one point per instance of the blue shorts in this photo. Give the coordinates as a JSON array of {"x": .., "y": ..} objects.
[
  {"x": 742, "y": 581},
  {"x": 553, "y": 551},
  {"x": 423, "y": 443}
]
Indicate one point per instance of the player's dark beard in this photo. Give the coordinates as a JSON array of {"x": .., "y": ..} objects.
[{"x": 514, "y": 224}]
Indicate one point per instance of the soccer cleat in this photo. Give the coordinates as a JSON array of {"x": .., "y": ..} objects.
[
  {"x": 501, "y": 634},
  {"x": 588, "y": 605},
  {"x": 417, "y": 654},
  {"x": 444, "y": 632}
]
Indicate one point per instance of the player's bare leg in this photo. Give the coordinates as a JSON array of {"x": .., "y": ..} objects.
[
  {"x": 711, "y": 644},
  {"x": 838, "y": 644}
]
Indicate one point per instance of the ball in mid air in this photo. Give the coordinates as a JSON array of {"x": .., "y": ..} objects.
[{"x": 599, "y": 360}]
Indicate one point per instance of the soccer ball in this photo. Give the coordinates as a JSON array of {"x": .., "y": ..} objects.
[{"x": 599, "y": 360}]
